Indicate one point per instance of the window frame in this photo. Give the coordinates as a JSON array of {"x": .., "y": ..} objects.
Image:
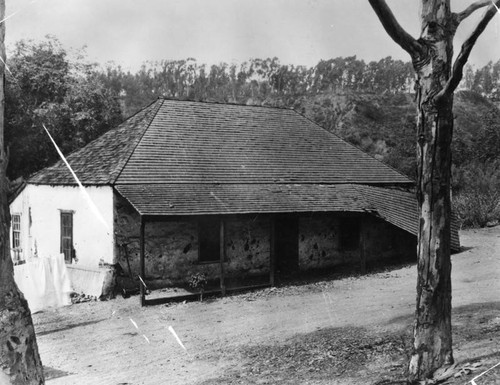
[
  {"x": 16, "y": 231},
  {"x": 63, "y": 237}
]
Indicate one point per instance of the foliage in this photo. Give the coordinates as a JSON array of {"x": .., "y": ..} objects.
[
  {"x": 45, "y": 87},
  {"x": 477, "y": 209},
  {"x": 484, "y": 81},
  {"x": 476, "y": 199},
  {"x": 258, "y": 81},
  {"x": 367, "y": 104},
  {"x": 198, "y": 281}
]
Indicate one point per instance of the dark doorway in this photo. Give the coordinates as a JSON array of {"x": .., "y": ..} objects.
[
  {"x": 209, "y": 242},
  {"x": 349, "y": 234},
  {"x": 287, "y": 244}
]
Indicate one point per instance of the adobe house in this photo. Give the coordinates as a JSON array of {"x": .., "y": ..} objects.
[{"x": 228, "y": 190}]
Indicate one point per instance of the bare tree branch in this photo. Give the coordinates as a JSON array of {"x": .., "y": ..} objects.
[
  {"x": 463, "y": 56},
  {"x": 394, "y": 29},
  {"x": 459, "y": 17}
]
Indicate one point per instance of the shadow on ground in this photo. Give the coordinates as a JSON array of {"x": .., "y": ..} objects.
[
  {"x": 52, "y": 373},
  {"x": 334, "y": 353},
  {"x": 68, "y": 327},
  {"x": 360, "y": 355}
]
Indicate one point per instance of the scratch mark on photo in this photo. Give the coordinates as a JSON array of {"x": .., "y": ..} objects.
[
  {"x": 86, "y": 195},
  {"x": 171, "y": 330}
]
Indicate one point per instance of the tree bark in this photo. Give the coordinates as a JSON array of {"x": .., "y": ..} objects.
[
  {"x": 19, "y": 359},
  {"x": 432, "y": 347}
]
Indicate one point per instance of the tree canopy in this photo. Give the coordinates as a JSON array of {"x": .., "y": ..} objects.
[
  {"x": 369, "y": 104},
  {"x": 45, "y": 86}
]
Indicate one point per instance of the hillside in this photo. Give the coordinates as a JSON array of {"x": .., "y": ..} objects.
[
  {"x": 368, "y": 104},
  {"x": 384, "y": 125}
]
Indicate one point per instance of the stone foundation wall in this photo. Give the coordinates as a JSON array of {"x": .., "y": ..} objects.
[
  {"x": 172, "y": 246},
  {"x": 248, "y": 246},
  {"x": 385, "y": 241},
  {"x": 320, "y": 243}
]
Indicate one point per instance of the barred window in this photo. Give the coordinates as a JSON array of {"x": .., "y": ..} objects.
[
  {"x": 16, "y": 231},
  {"x": 67, "y": 235}
]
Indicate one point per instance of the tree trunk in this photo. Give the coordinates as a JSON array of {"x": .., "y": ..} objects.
[
  {"x": 432, "y": 347},
  {"x": 432, "y": 56},
  {"x": 19, "y": 359}
]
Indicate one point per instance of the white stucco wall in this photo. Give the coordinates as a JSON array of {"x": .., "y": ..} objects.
[{"x": 92, "y": 238}]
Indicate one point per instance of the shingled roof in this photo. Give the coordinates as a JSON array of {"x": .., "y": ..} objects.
[
  {"x": 101, "y": 161},
  {"x": 193, "y": 158},
  {"x": 395, "y": 205},
  {"x": 192, "y": 142},
  {"x": 179, "y": 199}
]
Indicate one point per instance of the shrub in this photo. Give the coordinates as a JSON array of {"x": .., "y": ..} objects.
[
  {"x": 198, "y": 281},
  {"x": 476, "y": 209},
  {"x": 476, "y": 188}
]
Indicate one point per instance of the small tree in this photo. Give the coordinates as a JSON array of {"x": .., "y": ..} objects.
[{"x": 437, "y": 77}]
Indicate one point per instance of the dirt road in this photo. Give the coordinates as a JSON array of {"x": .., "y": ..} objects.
[{"x": 99, "y": 343}]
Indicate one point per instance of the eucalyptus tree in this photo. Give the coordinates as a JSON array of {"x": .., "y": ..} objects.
[{"x": 437, "y": 76}]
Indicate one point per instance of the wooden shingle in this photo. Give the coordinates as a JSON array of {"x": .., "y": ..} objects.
[{"x": 193, "y": 142}]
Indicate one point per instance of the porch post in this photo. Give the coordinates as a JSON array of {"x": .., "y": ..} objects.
[
  {"x": 222, "y": 251},
  {"x": 362, "y": 247},
  {"x": 142, "y": 276},
  {"x": 272, "y": 251}
]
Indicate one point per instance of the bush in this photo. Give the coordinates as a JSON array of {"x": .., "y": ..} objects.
[
  {"x": 476, "y": 188},
  {"x": 476, "y": 209},
  {"x": 198, "y": 282}
]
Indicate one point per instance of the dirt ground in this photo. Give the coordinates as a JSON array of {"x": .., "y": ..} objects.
[{"x": 354, "y": 330}]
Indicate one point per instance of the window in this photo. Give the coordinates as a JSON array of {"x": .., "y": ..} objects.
[
  {"x": 16, "y": 231},
  {"x": 208, "y": 237},
  {"x": 349, "y": 233},
  {"x": 67, "y": 235}
]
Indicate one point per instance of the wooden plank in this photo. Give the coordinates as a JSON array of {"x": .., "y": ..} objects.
[
  {"x": 142, "y": 276},
  {"x": 272, "y": 252},
  {"x": 362, "y": 247},
  {"x": 194, "y": 297},
  {"x": 222, "y": 252}
]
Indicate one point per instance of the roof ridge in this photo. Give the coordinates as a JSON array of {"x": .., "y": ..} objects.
[
  {"x": 138, "y": 141},
  {"x": 186, "y": 141},
  {"x": 225, "y": 103},
  {"x": 77, "y": 150},
  {"x": 138, "y": 111},
  {"x": 394, "y": 185}
]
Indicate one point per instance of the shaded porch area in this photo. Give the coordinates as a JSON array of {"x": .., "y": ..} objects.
[
  {"x": 243, "y": 252},
  {"x": 244, "y": 236}
]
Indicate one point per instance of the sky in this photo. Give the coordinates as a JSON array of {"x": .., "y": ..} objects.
[{"x": 300, "y": 32}]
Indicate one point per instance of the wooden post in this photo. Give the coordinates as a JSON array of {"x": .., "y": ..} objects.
[
  {"x": 272, "y": 252},
  {"x": 222, "y": 251},
  {"x": 362, "y": 246},
  {"x": 142, "y": 276}
]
